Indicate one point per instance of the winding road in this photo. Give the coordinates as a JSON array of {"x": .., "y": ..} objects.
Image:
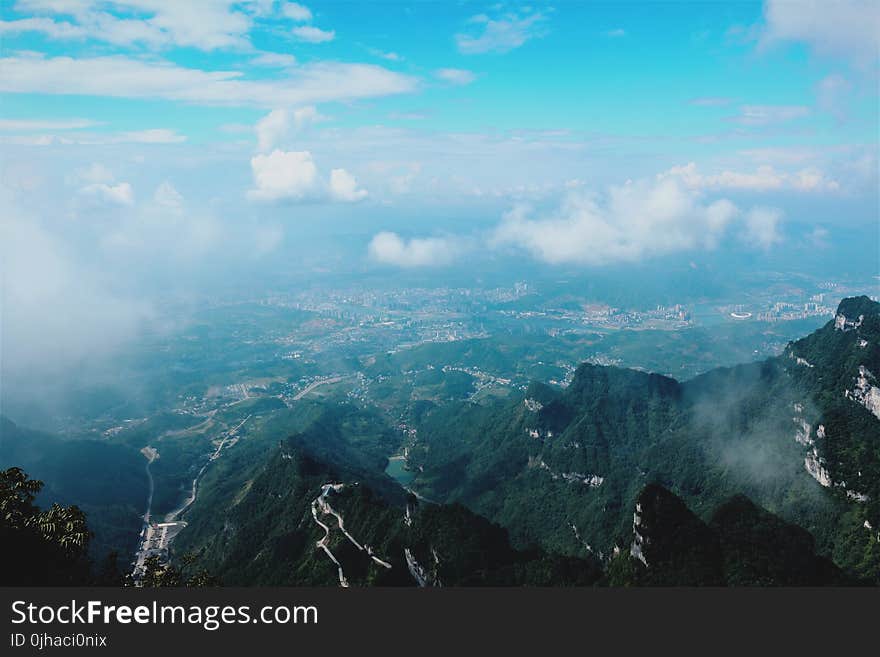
[{"x": 320, "y": 504}]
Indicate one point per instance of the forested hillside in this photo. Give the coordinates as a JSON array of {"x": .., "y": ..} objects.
[{"x": 798, "y": 434}]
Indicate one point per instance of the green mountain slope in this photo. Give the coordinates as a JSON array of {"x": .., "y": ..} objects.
[
  {"x": 799, "y": 434},
  {"x": 742, "y": 545},
  {"x": 275, "y": 532}
]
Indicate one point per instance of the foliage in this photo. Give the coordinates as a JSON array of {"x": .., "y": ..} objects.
[
  {"x": 743, "y": 545},
  {"x": 267, "y": 535},
  {"x": 40, "y": 547},
  {"x": 158, "y": 574}
]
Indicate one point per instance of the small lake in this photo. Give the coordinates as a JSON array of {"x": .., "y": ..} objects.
[{"x": 396, "y": 469}]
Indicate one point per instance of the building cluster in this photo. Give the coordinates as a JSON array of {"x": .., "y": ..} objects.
[{"x": 783, "y": 311}]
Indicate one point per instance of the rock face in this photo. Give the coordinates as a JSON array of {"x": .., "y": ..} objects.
[
  {"x": 864, "y": 392},
  {"x": 844, "y": 356},
  {"x": 591, "y": 480},
  {"x": 813, "y": 464},
  {"x": 639, "y": 540},
  {"x": 674, "y": 547},
  {"x": 842, "y": 323},
  {"x": 533, "y": 405}
]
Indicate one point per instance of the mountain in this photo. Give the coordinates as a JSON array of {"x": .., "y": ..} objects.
[
  {"x": 799, "y": 434},
  {"x": 306, "y": 521},
  {"x": 670, "y": 546},
  {"x": 762, "y": 474},
  {"x": 742, "y": 545}
]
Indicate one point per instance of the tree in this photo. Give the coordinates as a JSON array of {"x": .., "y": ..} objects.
[
  {"x": 158, "y": 574},
  {"x": 40, "y": 548}
]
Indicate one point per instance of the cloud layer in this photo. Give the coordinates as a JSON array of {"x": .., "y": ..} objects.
[
  {"x": 125, "y": 77},
  {"x": 293, "y": 176},
  {"x": 57, "y": 312},
  {"x": 843, "y": 27},
  {"x": 278, "y": 123},
  {"x": 390, "y": 249},
  {"x": 763, "y": 178},
  {"x": 455, "y": 75},
  {"x": 501, "y": 34},
  {"x": 630, "y": 222}
]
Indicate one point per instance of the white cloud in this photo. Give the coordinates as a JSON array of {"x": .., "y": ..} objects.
[
  {"x": 784, "y": 155},
  {"x": 343, "y": 187},
  {"x": 118, "y": 194},
  {"x": 57, "y": 312},
  {"x": 760, "y": 115},
  {"x": 764, "y": 178},
  {"x": 850, "y": 28},
  {"x": 283, "y": 175},
  {"x": 455, "y": 75},
  {"x": 390, "y": 56},
  {"x": 28, "y": 140},
  {"x": 296, "y": 12},
  {"x": 124, "y": 77},
  {"x": 152, "y": 136},
  {"x": 390, "y": 249},
  {"x": 312, "y": 34},
  {"x": 616, "y": 33},
  {"x": 813, "y": 179},
  {"x": 762, "y": 227},
  {"x": 206, "y": 25},
  {"x": 294, "y": 176},
  {"x": 631, "y": 222},
  {"x": 52, "y": 29},
  {"x": 308, "y": 33},
  {"x": 159, "y": 233},
  {"x": 402, "y": 184},
  {"x": 500, "y": 35},
  {"x": 260, "y": 8},
  {"x": 273, "y": 127},
  {"x": 30, "y": 125},
  {"x": 167, "y": 197},
  {"x": 94, "y": 173},
  {"x": 274, "y": 60},
  {"x": 303, "y": 116},
  {"x": 864, "y": 169}
]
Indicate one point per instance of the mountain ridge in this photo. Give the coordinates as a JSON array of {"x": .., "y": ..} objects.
[{"x": 792, "y": 436}]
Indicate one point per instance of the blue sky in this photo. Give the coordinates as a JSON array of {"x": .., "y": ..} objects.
[
  {"x": 618, "y": 68},
  {"x": 571, "y": 132}
]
